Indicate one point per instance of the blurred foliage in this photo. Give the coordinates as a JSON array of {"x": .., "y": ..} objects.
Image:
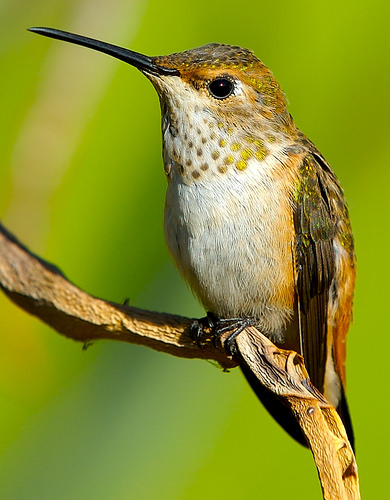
[{"x": 81, "y": 183}]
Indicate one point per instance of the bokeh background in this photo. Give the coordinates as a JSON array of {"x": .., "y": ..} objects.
[{"x": 82, "y": 184}]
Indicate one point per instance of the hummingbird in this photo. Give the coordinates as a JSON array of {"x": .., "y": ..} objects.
[{"x": 255, "y": 219}]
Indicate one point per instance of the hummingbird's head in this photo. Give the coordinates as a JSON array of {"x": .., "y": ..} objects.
[{"x": 221, "y": 107}]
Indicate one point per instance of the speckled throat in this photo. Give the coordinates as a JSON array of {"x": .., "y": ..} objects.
[{"x": 201, "y": 144}]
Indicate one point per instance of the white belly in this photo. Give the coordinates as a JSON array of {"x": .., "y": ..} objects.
[{"x": 231, "y": 238}]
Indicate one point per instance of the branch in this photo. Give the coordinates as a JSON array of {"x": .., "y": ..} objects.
[
  {"x": 42, "y": 290},
  {"x": 284, "y": 373}
]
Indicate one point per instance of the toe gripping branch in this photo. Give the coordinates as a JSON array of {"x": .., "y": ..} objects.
[{"x": 217, "y": 327}]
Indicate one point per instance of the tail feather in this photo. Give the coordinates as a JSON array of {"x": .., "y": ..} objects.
[
  {"x": 343, "y": 411},
  {"x": 284, "y": 416},
  {"x": 275, "y": 406}
]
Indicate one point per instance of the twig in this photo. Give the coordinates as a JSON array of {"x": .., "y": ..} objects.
[
  {"x": 284, "y": 373},
  {"x": 42, "y": 290}
]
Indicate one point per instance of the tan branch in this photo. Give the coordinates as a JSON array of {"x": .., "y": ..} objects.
[
  {"x": 284, "y": 373},
  {"x": 42, "y": 290}
]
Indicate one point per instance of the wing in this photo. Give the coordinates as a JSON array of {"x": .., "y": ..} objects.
[
  {"x": 315, "y": 265},
  {"x": 325, "y": 273}
]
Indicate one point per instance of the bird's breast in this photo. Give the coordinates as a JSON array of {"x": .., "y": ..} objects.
[{"x": 232, "y": 236}]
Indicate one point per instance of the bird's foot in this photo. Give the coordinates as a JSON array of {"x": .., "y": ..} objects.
[
  {"x": 235, "y": 326},
  {"x": 217, "y": 327},
  {"x": 203, "y": 326}
]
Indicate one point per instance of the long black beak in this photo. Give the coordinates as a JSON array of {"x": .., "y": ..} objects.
[{"x": 140, "y": 61}]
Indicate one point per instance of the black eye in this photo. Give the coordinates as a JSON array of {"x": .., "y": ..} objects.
[{"x": 221, "y": 88}]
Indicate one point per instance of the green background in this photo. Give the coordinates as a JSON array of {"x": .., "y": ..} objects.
[{"x": 82, "y": 184}]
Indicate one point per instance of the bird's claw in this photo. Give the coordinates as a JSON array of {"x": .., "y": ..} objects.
[
  {"x": 200, "y": 327},
  {"x": 217, "y": 327}
]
